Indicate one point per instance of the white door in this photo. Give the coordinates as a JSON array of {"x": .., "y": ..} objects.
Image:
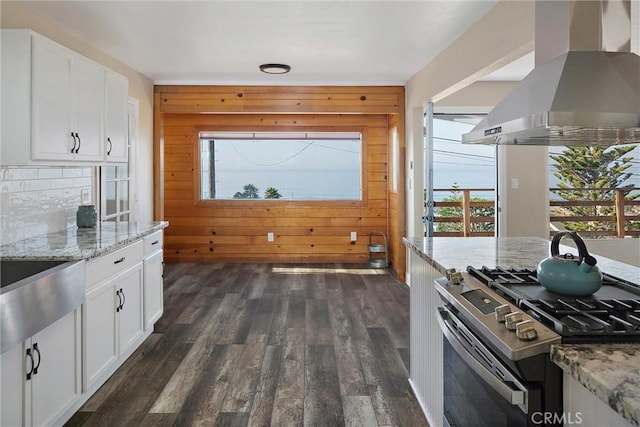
[
  {"x": 12, "y": 384},
  {"x": 51, "y": 101},
  {"x": 88, "y": 123},
  {"x": 56, "y": 385},
  {"x": 152, "y": 289},
  {"x": 99, "y": 331},
  {"x": 130, "y": 316},
  {"x": 116, "y": 122}
]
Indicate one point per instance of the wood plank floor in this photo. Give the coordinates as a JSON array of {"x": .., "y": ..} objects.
[{"x": 266, "y": 344}]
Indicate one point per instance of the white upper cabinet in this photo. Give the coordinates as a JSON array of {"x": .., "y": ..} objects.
[
  {"x": 88, "y": 115},
  {"x": 51, "y": 102},
  {"x": 116, "y": 132},
  {"x": 59, "y": 107}
]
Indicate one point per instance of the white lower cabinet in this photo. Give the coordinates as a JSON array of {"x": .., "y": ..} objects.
[
  {"x": 130, "y": 316},
  {"x": 41, "y": 377},
  {"x": 153, "y": 277},
  {"x": 49, "y": 376},
  {"x": 582, "y": 407},
  {"x": 113, "y": 322},
  {"x": 12, "y": 393},
  {"x": 153, "y": 294}
]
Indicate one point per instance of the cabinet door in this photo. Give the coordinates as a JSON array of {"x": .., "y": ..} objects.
[
  {"x": 12, "y": 385},
  {"x": 152, "y": 289},
  {"x": 130, "y": 319},
  {"x": 116, "y": 132},
  {"x": 99, "y": 343},
  {"x": 88, "y": 117},
  {"x": 51, "y": 101},
  {"x": 56, "y": 385}
]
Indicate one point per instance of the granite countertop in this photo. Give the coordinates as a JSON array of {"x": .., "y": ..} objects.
[
  {"x": 80, "y": 243},
  {"x": 610, "y": 371},
  {"x": 518, "y": 252}
]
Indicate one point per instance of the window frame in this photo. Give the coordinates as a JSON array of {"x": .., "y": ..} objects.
[{"x": 273, "y": 203}]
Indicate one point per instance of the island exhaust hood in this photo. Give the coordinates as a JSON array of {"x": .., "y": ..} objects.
[{"x": 585, "y": 87}]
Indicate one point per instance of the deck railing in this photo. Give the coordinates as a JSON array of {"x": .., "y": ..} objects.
[
  {"x": 470, "y": 215},
  {"x": 465, "y": 217}
]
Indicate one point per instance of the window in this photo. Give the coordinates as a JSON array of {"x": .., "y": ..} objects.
[
  {"x": 395, "y": 160},
  {"x": 595, "y": 190},
  {"x": 115, "y": 194},
  {"x": 284, "y": 166}
]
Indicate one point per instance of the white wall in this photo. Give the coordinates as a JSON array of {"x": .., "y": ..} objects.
[
  {"x": 504, "y": 34},
  {"x": 14, "y": 15}
]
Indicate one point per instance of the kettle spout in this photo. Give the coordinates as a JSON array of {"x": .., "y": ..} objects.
[{"x": 587, "y": 264}]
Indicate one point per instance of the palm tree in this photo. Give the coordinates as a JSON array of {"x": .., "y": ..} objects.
[{"x": 272, "y": 193}]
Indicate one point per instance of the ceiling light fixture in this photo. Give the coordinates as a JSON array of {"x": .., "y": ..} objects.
[{"x": 275, "y": 68}]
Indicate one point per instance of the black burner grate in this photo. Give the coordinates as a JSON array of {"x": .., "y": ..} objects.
[{"x": 611, "y": 314}]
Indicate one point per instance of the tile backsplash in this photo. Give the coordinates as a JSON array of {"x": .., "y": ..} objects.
[{"x": 39, "y": 200}]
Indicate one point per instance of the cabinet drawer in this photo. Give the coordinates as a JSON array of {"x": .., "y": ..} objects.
[
  {"x": 153, "y": 242},
  {"x": 113, "y": 263}
]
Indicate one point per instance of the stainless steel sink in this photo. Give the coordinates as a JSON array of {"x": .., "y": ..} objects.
[{"x": 34, "y": 294}]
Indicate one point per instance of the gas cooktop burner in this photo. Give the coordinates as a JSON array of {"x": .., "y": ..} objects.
[{"x": 611, "y": 314}]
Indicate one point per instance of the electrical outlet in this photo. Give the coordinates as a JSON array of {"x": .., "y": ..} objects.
[
  {"x": 85, "y": 197},
  {"x": 269, "y": 237},
  {"x": 354, "y": 236}
]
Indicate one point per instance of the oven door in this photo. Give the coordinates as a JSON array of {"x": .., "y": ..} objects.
[{"x": 479, "y": 390}]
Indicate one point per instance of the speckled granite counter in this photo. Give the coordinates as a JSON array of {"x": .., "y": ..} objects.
[
  {"x": 610, "y": 371},
  {"x": 80, "y": 243},
  {"x": 517, "y": 252}
]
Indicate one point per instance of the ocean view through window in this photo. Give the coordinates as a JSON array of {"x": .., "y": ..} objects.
[
  {"x": 281, "y": 166},
  {"x": 457, "y": 164}
]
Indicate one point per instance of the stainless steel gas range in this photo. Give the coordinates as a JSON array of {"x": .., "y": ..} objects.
[{"x": 498, "y": 326}]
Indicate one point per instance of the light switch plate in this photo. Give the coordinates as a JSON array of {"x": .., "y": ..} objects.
[
  {"x": 354, "y": 236},
  {"x": 269, "y": 237}
]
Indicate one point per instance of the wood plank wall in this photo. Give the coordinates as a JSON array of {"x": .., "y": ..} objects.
[{"x": 305, "y": 231}]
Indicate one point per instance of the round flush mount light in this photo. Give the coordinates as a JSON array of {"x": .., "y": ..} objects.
[{"x": 275, "y": 68}]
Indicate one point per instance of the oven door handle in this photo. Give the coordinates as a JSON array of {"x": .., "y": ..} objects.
[{"x": 514, "y": 397}]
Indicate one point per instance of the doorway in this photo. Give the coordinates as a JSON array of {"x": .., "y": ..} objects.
[{"x": 460, "y": 193}]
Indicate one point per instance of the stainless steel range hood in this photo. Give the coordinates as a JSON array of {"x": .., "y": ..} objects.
[{"x": 585, "y": 88}]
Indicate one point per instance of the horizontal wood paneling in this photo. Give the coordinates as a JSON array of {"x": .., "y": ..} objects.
[
  {"x": 315, "y": 231},
  {"x": 274, "y": 99}
]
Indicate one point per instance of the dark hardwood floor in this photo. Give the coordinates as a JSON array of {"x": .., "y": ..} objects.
[{"x": 266, "y": 344}]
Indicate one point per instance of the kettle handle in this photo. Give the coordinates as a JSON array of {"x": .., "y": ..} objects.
[{"x": 583, "y": 253}]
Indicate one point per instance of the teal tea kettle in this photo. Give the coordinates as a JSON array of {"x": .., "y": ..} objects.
[{"x": 567, "y": 274}]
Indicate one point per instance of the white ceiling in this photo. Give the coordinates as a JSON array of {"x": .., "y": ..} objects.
[{"x": 224, "y": 42}]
